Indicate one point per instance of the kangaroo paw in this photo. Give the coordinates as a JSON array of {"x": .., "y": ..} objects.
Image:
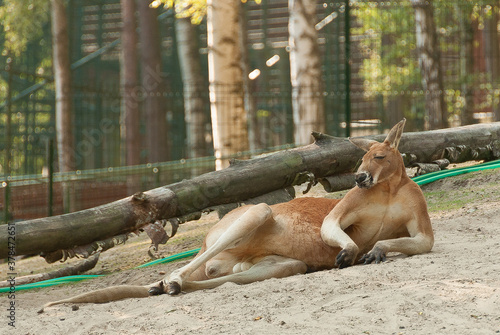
[
  {"x": 345, "y": 258},
  {"x": 157, "y": 290},
  {"x": 374, "y": 256},
  {"x": 173, "y": 288}
]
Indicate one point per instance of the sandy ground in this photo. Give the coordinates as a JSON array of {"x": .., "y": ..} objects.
[{"x": 455, "y": 289}]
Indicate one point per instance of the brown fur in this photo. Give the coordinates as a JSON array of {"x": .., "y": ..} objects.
[{"x": 386, "y": 213}]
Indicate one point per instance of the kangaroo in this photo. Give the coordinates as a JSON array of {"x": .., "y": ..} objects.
[{"x": 385, "y": 212}]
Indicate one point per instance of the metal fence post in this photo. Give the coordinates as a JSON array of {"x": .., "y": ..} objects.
[{"x": 8, "y": 143}]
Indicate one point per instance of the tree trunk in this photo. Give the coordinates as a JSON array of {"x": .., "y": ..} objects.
[
  {"x": 71, "y": 270},
  {"x": 305, "y": 71},
  {"x": 492, "y": 51},
  {"x": 64, "y": 112},
  {"x": 129, "y": 83},
  {"x": 393, "y": 111},
  {"x": 229, "y": 121},
  {"x": 254, "y": 135},
  {"x": 153, "y": 86},
  {"x": 242, "y": 180},
  {"x": 194, "y": 88},
  {"x": 467, "y": 61},
  {"x": 430, "y": 64}
]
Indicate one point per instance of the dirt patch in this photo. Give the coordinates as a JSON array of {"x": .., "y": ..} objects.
[{"x": 452, "y": 290}]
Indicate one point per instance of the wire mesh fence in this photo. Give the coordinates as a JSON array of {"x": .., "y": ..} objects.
[
  {"x": 371, "y": 79},
  {"x": 34, "y": 196}
]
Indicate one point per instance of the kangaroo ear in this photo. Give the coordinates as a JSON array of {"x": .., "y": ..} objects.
[
  {"x": 394, "y": 135},
  {"x": 362, "y": 143}
]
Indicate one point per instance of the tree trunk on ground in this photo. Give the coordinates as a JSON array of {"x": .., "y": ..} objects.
[
  {"x": 194, "y": 89},
  {"x": 72, "y": 270},
  {"x": 430, "y": 64},
  {"x": 305, "y": 71},
  {"x": 229, "y": 121},
  {"x": 153, "y": 86},
  {"x": 64, "y": 108},
  {"x": 130, "y": 99},
  {"x": 492, "y": 51},
  {"x": 241, "y": 181}
]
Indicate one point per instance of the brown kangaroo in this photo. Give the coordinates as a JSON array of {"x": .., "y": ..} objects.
[{"x": 385, "y": 212}]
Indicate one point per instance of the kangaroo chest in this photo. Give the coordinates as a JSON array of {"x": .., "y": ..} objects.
[{"x": 381, "y": 221}]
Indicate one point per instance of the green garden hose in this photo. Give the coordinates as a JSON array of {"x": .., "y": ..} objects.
[
  {"x": 433, "y": 176},
  {"x": 172, "y": 258},
  {"x": 70, "y": 279},
  {"x": 420, "y": 180},
  {"x": 50, "y": 282}
]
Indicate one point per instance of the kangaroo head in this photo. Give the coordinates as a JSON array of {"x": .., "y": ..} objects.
[{"x": 381, "y": 160}]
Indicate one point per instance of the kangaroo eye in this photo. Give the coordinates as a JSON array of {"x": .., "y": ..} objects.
[{"x": 379, "y": 157}]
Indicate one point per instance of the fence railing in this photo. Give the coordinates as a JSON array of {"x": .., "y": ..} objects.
[{"x": 39, "y": 195}]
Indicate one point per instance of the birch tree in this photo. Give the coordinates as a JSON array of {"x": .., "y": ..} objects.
[
  {"x": 194, "y": 87},
  {"x": 305, "y": 71},
  {"x": 430, "y": 64},
  {"x": 229, "y": 121},
  {"x": 64, "y": 113}
]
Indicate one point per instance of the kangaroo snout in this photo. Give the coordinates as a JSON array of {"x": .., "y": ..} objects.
[{"x": 363, "y": 179}]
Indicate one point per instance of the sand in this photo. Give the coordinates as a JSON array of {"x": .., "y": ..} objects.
[{"x": 455, "y": 289}]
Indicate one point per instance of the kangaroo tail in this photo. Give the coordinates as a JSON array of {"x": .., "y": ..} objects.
[{"x": 107, "y": 294}]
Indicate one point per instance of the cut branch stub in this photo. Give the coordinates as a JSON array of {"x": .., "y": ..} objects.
[
  {"x": 463, "y": 153},
  {"x": 156, "y": 233},
  {"x": 320, "y": 137},
  {"x": 338, "y": 182},
  {"x": 409, "y": 159},
  {"x": 424, "y": 168},
  {"x": 85, "y": 250},
  {"x": 305, "y": 177}
]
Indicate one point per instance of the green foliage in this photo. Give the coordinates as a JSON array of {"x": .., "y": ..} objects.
[
  {"x": 390, "y": 64},
  {"x": 25, "y": 41},
  {"x": 23, "y": 21},
  {"x": 195, "y": 9}
]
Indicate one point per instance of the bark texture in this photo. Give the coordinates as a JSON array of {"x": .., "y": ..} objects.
[
  {"x": 152, "y": 89},
  {"x": 327, "y": 156},
  {"x": 72, "y": 270},
  {"x": 129, "y": 83},
  {"x": 194, "y": 88},
  {"x": 254, "y": 135},
  {"x": 305, "y": 71},
  {"x": 492, "y": 51},
  {"x": 467, "y": 26},
  {"x": 64, "y": 108},
  {"x": 430, "y": 64},
  {"x": 229, "y": 121}
]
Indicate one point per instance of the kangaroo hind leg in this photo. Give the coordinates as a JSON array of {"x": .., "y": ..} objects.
[
  {"x": 272, "y": 266},
  {"x": 242, "y": 227}
]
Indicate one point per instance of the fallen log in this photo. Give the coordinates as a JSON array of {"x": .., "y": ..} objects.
[
  {"x": 72, "y": 270},
  {"x": 242, "y": 180}
]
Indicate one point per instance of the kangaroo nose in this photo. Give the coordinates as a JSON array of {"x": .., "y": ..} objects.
[{"x": 361, "y": 177}]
